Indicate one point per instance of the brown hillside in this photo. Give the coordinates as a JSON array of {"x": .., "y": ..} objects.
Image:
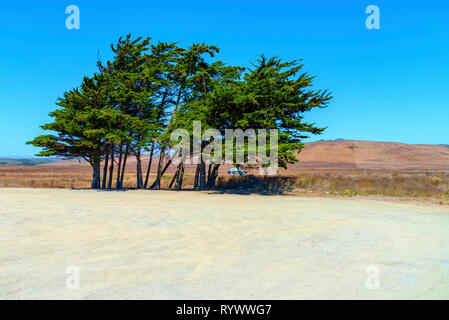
[
  {"x": 344, "y": 154},
  {"x": 372, "y": 155}
]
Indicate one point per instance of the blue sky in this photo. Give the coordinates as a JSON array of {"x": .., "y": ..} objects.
[{"x": 388, "y": 85}]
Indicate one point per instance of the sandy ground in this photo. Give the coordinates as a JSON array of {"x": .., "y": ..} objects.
[{"x": 187, "y": 245}]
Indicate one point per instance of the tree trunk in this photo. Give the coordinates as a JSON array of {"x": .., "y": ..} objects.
[
  {"x": 139, "y": 183},
  {"x": 96, "y": 176},
  {"x": 111, "y": 168},
  {"x": 174, "y": 178},
  {"x": 157, "y": 183},
  {"x": 209, "y": 171},
  {"x": 180, "y": 177},
  {"x": 197, "y": 176},
  {"x": 122, "y": 175},
  {"x": 162, "y": 173},
  {"x": 212, "y": 178},
  {"x": 117, "y": 184},
  {"x": 149, "y": 167},
  {"x": 202, "y": 185},
  {"x": 105, "y": 171}
]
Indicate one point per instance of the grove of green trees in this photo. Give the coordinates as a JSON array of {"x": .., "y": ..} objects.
[{"x": 132, "y": 104}]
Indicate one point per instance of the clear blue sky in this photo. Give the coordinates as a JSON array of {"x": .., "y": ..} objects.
[{"x": 388, "y": 85}]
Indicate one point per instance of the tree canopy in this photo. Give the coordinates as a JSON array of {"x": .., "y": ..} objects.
[{"x": 133, "y": 103}]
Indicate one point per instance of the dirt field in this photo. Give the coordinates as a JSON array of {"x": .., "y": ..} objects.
[{"x": 189, "y": 245}]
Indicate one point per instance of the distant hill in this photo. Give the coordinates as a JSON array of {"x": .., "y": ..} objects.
[
  {"x": 340, "y": 154},
  {"x": 24, "y": 161},
  {"x": 370, "y": 154}
]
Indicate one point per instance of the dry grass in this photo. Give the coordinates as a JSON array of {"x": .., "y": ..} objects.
[
  {"x": 393, "y": 185},
  {"x": 397, "y": 184},
  {"x": 78, "y": 177}
]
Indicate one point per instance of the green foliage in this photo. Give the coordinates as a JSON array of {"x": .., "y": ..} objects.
[
  {"x": 147, "y": 90},
  {"x": 271, "y": 95}
]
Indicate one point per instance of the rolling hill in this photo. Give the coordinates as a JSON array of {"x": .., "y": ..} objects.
[
  {"x": 372, "y": 155},
  {"x": 348, "y": 154},
  {"x": 25, "y": 161}
]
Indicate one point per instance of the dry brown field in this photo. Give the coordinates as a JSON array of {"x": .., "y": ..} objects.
[{"x": 326, "y": 168}]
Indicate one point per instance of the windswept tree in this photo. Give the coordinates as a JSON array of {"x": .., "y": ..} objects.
[
  {"x": 271, "y": 95},
  {"x": 160, "y": 65},
  {"x": 208, "y": 85},
  {"x": 132, "y": 92},
  {"x": 80, "y": 126},
  {"x": 275, "y": 94},
  {"x": 131, "y": 107},
  {"x": 189, "y": 64}
]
